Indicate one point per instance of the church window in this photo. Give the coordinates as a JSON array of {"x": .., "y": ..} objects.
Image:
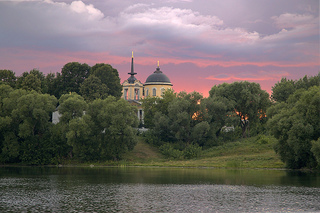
[
  {"x": 154, "y": 92},
  {"x": 136, "y": 94},
  {"x": 147, "y": 92},
  {"x": 126, "y": 94}
]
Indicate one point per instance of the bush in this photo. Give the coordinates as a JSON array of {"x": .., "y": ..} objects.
[
  {"x": 231, "y": 135},
  {"x": 151, "y": 138},
  {"x": 168, "y": 151},
  {"x": 262, "y": 139},
  {"x": 192, "y": 151},
  {"x": 316, "y": 150}
]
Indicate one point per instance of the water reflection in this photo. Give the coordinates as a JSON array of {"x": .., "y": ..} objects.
[{"x": 25, "y": 189}]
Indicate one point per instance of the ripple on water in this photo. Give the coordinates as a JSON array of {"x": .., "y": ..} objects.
[{"x": 51, "y": 194}]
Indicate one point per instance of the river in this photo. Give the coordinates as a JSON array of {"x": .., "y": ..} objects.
[{"x": 135, "y": 189}]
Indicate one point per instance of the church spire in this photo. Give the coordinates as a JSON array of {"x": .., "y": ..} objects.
[
  {"x": 131, "y": 79},
  {"x": 158, "y": 69}
]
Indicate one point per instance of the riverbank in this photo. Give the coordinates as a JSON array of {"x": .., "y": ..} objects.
[{"x": 254, "y": 152}]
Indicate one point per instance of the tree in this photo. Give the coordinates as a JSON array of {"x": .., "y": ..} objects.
[
  {"x": 315, "y": 149},
  {"x": 80, "y": 137},
  {"x": 100, "y": 130},
  {"x": 283, "y": 89},
  {"x": 296, "y": 124},
  {"x": 249, "y": 101},
  {"x": 31, "y": 82},
  {"x": 8, "y": 77},
  {"x": 92, "y": 89},
  {"x": 109, "y": 77},
  {"x": 24, "y": 126},
  {"x": 73, "y": 75},
  {"x": 55, "y": 84},
  {"x": 112, "y": 125},
  {"x": 71, "y": 106},
  {"x": 150, "y": 107},
  {"x": 218, "y": 112}
]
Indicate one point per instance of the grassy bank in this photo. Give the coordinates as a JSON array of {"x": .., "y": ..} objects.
[{"x": 254, "y": 152}]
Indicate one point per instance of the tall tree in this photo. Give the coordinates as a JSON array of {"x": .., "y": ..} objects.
[
  {"x": 31, "y": 82},
  {"x": 283, "y": 89},
  {"x": 110, "y": 77},
  {"x": 8, "y": 77},
  {"x": 296, "y": 124},
  {"x": 248, "y": 99},
  {"x": 71, "y": 106},
  {"x": 24, "y": 126},
  {"x": 112, "y": 124},
  {"x": 92, "y": 89},
  {"x": 151, "y": 105},
  {"x": 73, "y": 75}
]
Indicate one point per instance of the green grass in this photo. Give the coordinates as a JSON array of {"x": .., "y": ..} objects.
[{"x": 254, "y": 152}]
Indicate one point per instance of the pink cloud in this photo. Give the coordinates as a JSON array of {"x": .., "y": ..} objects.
[{"x": 259, "y": 76}]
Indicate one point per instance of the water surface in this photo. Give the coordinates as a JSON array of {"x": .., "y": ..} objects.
[{"x": 36, "y": 189}]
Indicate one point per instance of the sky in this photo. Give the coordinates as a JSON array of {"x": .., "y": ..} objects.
[{"x": 198, "y": 43}]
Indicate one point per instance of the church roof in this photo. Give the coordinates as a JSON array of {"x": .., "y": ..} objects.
[{"x": 157, "y": 77}]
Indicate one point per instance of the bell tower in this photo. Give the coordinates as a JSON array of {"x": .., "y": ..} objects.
[{"x": 132, "y": 88}]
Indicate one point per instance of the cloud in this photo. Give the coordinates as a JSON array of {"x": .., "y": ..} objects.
[
  {"x": 168, "y": 16},
  {"x": 80, "y": 7},
  {"x": 247, "y": 76},
  {"x": 288, "y": 20},
  {"x": 174, "y": 33}
]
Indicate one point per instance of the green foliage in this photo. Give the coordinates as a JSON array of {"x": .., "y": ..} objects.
[
  {"x": 71, "y": 106},
  {"x": 152, "y": 105},
  {"x": 170, "y": 152},
  {"x": 109, "y": 78},
  {"x": 72, "y": 76},
  {"x": 249, "y": 101},
  {"x": 227, "y": 136},
  {"x": 24, "y": 123},
  {"x": 33, "y": 80},
  {"x": 315, "y": 149},
  {"x": 8, "y": 77},
  {"x": 282, "y": 90},
  {"x": 295, "y": 124},
  {"x": 151, "y": 138},
  {"x": 192, "y": 151},
  {"x": 262, "y": 139},
  {"x": 54, "y": 84},
  {"x": 104, "y": 132},
  {"x": 189, "y": 152},
  {"x": 187, "y": 118},
  {"x": 79, "y": 137},
  {"x": 199, "y": 134},
  {"x": 92, "y": 88},
  {"x": 218, "y": 112}
]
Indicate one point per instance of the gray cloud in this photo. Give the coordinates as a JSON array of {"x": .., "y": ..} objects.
[{"x": 191, "y": 29}]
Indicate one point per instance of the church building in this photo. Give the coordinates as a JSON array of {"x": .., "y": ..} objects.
[{"x": 133, "y": 90}]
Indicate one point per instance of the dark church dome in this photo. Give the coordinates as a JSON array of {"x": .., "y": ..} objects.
[
  {"x": 131, "y": 79},
  {"x": 158, "y": 78}
]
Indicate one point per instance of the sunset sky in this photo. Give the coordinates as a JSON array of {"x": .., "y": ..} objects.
[{"x": 199, "y": 43}]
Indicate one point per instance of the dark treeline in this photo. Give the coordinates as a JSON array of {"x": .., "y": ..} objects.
[
  {"x": 183, "y": 124},
  {"x": 92, "y": 83},
  {"x": 96, "y": 125}
]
